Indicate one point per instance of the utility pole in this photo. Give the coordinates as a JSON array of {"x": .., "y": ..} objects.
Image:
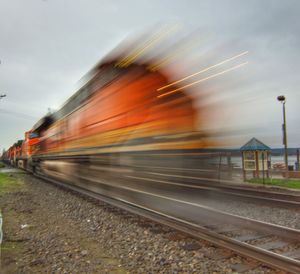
[{"x": 282, "y": 99}]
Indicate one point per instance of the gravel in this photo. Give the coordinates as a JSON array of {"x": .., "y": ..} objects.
[{"x": 50, "y": 230}]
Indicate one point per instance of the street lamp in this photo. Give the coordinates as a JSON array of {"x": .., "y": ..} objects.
[
  {"x": 282, "y": 99},
  {"x": 2, "y": 96}
]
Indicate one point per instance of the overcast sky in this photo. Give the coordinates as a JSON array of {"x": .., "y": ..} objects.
[{"x": 47, "y": 46}]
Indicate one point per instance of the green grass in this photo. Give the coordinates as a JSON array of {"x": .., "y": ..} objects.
[
  {"x": 277, "y": 182},
  {"x": 10, "y": 246},
  {"x": 2, "y": 165},
  {"x": 9, "y": 183}
]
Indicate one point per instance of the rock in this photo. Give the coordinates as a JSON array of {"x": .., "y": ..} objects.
[
  {"x": 84, "y": 252},
  {"x": 191, "y": 246}
]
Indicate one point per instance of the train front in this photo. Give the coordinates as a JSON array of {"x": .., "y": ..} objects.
[{"x": 128, "y": 119}]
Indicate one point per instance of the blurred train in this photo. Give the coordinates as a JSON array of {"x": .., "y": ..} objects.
[{"x": 123, "y": 118}]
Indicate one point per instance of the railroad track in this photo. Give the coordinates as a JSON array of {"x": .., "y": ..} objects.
[
  {"x": 194, "y": 180},
  {"x": 273, "y": 245},
  {"x": 171, "y": 177}
]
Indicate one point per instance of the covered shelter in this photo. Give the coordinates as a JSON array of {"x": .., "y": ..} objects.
[{"x": 256, "y": 158}]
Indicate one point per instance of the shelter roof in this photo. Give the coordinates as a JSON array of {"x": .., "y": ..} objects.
[{"x": 254, "y": 144}]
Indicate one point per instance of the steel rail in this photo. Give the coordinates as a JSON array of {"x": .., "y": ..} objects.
[
  {"x": 227, "y": 184},
  {"x": 224, "y": 186},
  {"x": 286, "y": 200},
  {"x": 244, "y": 192},
  {"x": 269, "y": 258}
]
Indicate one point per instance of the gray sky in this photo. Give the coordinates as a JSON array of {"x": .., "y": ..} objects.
[{"x": 47, "y": 46}]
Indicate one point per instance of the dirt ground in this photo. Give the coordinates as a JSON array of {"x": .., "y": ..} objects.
[{"x": 51, "y": 230}]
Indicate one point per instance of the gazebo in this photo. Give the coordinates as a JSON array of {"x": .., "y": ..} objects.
[{"x": 256, "y": 158}]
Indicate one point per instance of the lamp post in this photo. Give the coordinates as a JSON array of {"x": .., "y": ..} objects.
[{"x": 282, "y": 99}]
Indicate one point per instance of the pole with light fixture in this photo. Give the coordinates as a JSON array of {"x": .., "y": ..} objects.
[{"x": 282, "y": 99}]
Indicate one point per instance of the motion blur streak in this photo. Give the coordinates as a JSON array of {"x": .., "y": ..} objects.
[
  {"x": 149, "y": 44},
  {"x": 204, "y": 70},
  {"x": 177, "y": 51},
  {"x": 204, "y": 79}
]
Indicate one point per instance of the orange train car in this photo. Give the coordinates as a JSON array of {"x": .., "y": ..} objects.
[{"x": 21, "y": 152}]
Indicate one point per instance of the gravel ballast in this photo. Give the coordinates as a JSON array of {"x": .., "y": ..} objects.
[{"x": 50, "y": 230}]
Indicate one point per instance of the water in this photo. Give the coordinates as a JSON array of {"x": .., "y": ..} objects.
[{"x": 237, "y": 161}]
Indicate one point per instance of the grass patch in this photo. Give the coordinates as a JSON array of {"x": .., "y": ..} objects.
[
  {"x": 277, "y": 182},
  {"x": 11, "y": 246},
  {"x": 2, "y": 165},
  {"x": 9, "y": 183},
  {"x": 11, "y": 252}
]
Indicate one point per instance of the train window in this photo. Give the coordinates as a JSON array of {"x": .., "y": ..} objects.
[{"x": 33, "y": 135}]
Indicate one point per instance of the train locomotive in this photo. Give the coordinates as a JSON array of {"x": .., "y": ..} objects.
[{"x": 120, "y": 120}]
